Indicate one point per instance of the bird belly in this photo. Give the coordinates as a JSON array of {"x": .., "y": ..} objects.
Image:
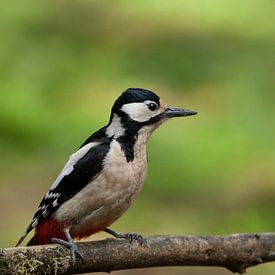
[{"x": 106, "y": 197}]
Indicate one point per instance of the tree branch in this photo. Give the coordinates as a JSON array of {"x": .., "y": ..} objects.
[{"x": 234, "y": 252}]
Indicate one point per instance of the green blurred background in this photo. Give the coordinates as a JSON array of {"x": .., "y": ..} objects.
[{"x": 64, "y": 63}]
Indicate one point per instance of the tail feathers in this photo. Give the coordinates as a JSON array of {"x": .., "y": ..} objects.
[
  {"x": 21, "y": 240},
  {"x": 29, "y": 228},
  {"x": 44, "y": 232}
]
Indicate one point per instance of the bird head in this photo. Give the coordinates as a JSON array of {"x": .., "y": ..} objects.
[{"x": 137, "y": 108}]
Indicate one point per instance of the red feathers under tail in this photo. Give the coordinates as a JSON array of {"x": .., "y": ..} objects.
[{"x": 48, "y": 229}]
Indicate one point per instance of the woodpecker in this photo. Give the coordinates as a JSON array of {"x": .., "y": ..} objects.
[{"x": 103, "y": 177}]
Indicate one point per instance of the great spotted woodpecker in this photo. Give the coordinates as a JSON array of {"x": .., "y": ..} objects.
[{"x": 101, "y": 179}]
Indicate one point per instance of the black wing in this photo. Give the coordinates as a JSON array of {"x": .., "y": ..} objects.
[
  {"x": 82, "y": 167},
  {"x": 77, "y": 173},
  {"x": 82, "y": 172}
]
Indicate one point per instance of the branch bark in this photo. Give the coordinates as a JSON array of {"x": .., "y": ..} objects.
[{"x": 234, "y": 252}]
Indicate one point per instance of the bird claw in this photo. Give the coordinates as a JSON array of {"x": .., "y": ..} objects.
[
  {"x": 132, "y": 236},
  {"x": 73, "y": 249},
  {"x": 128, "y": 236}
]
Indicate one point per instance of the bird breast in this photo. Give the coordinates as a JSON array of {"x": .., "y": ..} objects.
[{"x": 125, "y": 177}]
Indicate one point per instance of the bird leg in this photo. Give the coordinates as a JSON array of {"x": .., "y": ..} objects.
[
  {"x": 128, "y": 236},
  {"x": 70, "y": 245}
]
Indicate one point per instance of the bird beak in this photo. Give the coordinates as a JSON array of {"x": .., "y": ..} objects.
[{"x": 175, "y": 112}]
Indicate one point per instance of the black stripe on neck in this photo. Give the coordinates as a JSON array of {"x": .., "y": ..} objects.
[{"x": 128, "y": 140}]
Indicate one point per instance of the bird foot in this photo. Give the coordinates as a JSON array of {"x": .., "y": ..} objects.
[
  {"x": 72, "y": 246},
  {"x": 132, "y": 236},
  {"x": 128, "y": 236}
]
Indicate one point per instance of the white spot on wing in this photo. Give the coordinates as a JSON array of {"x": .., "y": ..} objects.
[
  {"x": 50, "y": 195},
  {"x": 45, "y": 213},
  {"x": 55, "y": 203},
  {"x": 34, "y": 223},
  {"x": 42, "y": 207},
  {"x": 74, "y": 158}
]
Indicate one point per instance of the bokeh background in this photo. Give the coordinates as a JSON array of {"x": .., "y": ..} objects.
[{"x": 63, "y": 63}]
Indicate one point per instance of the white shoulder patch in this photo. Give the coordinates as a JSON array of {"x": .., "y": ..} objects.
[{"x": 68, "y": 168}]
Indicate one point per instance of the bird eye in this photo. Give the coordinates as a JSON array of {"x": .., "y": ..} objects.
[{"x": 152, "y": 106}]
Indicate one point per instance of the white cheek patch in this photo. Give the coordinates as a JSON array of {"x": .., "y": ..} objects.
[{"x": 139, "y": 111}]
